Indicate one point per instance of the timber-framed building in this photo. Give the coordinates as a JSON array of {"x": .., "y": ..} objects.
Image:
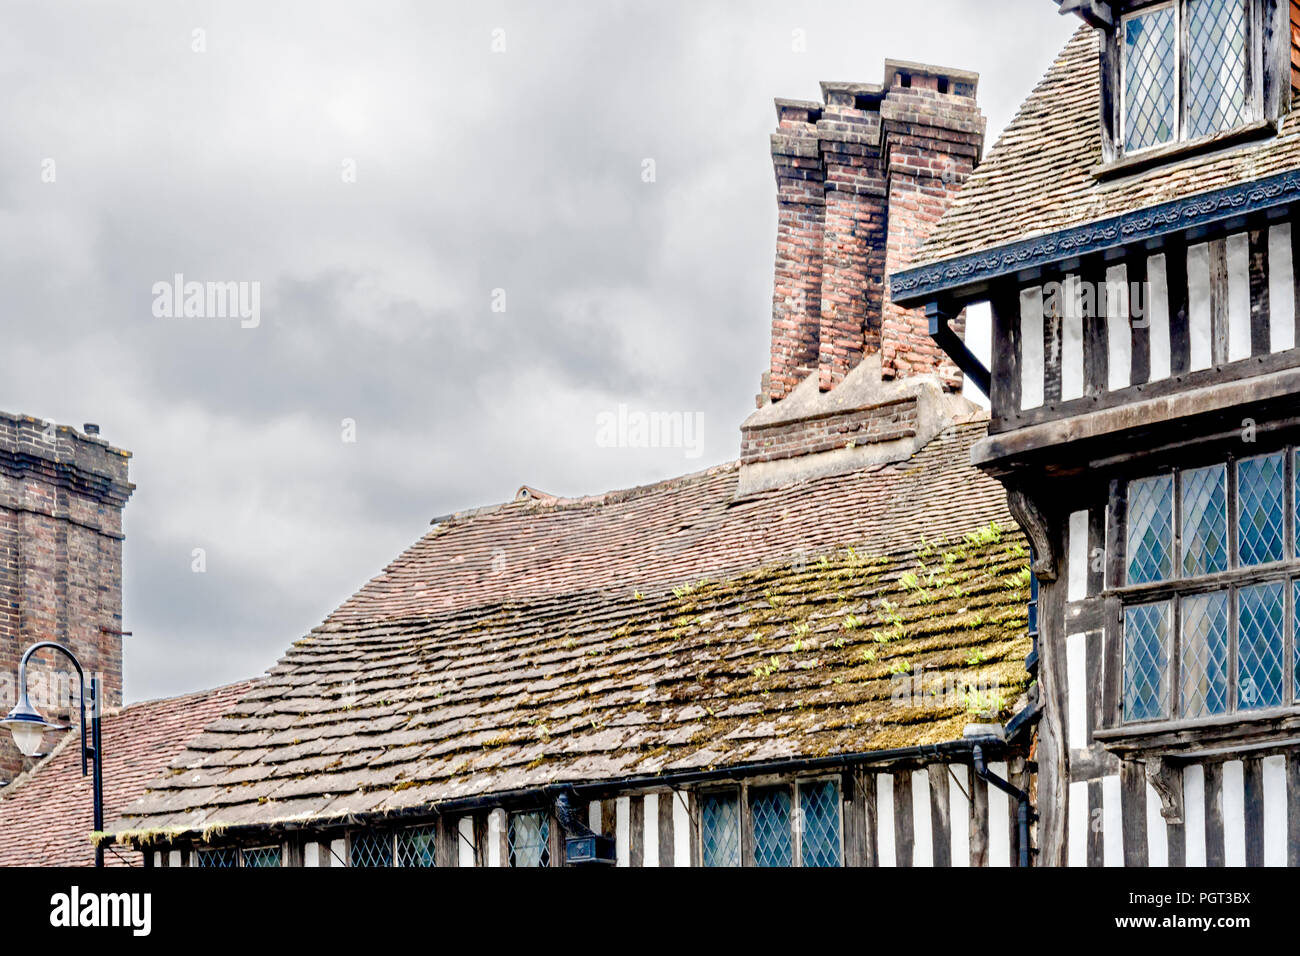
[
  {"x": 833, "y": 651},
  {"x": 1134, "y": 232}
]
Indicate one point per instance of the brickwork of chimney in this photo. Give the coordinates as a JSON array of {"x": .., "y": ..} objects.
[
  {"x": 862, "y": 180},
  {"x": 797, "y": 292},
  {"x": 853, "y": 235},
  {"x": 934, "y": 134},
  {"x": 889, "y": 421},
  {"x": 61, "y": 500}
]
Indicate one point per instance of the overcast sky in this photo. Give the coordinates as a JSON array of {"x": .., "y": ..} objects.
[{"x": 223, "y": 155}]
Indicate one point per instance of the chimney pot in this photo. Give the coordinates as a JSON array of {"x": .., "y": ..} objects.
[{"x": 90, "y": 428}]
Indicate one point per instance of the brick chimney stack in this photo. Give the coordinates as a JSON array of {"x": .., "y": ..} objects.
[
  {"x": 61, "y": 498},
  {"x": 934, "y": 134},
  {"x": 862, "y": 179},
  {"x": 801, "y": 202}
]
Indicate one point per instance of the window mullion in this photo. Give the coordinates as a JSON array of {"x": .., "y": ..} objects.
[
  {"x": 1181, "y": 54},
  {"x": 797, "y": 822}
]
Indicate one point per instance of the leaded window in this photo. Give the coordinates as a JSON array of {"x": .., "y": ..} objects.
[
  {"x": 1150, "y": 530},
  {"x": 789, "y": 824},
  {"x": 219, "y": 857},
  {"x": 528, "y": 839},
  {"x": 1259, "y": 509},
  {"x": 720, "y": 828},
  {"x": 417, "y": 846},
  {"x": 1210, "y": 566},
  {"x": 769, "y": 810},
  {"x": 819, "y": 815},
  {"x": 1205, "y": 520},
  {"x": 262, "y": 856},
  {"x": 1205, "y": 654},
  {"x": 1187, "y": 70},
  {"x": 228, "y": 857},
  {"x": 370, "y": 848},
  {"x": 1146, "y": 655}
]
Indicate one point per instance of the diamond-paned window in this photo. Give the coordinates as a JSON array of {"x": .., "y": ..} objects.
[
  {"x": 528, "y": 839},
  {"x": 1260, "y": 639},
  {"x": 1205, "y": 520},
  {"x": 1217, "y": 66},
  {"x": 1295, "y": 499},
  {"x": 1146, "y": 662},
  {"x": 1205, "y": 654},
  {"x": 1221, "y": 631},
  {"x": 769, "y": 813},
  {"x": 720, "y": 828},
  {"x": 1186, "y": 72},
  {"x": 221, "y": 857},
  {"x": 1295, "y": 629},
  {"x": 370, "y": 848},
  {"x": 1260, "y": 510},
  {"x": 262, "y": 856},
  {"x": 1150, "y": 79},
  {"x": 1150, "y": 529},
  {"x": 417, "y": 846},
  {"x": 819, "y": 824}
]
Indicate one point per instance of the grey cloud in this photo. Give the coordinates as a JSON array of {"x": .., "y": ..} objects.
[{"x": 475, "y": 171}]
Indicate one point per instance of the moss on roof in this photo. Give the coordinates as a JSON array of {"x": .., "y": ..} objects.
[{"x": 841, "y": 652}]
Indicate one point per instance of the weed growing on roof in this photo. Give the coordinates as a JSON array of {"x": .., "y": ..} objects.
[
  {"x": 901, "y": 666},
  {"x": 868, "y": 654},
  {"x": 851, "y": 623},
  {"x": 990, "y": 534},
  {"x": 772, "y": 666},
  {"x": 984, "y": 703},
  {"x": 1017, "y": 581},
  {"x": 977, "y": 658}
]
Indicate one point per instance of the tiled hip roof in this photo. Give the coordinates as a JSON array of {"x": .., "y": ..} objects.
[{"x": 909, "y": 582}]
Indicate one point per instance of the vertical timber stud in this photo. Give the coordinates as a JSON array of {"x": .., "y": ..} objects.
[
  {"x": 854, "y": 819},
  {"x": 1053, "y": 755},
  {"x": 864, "y": 782}
]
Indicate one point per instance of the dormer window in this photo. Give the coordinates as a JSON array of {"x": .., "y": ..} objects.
[{"x": 1187, "y": 72}]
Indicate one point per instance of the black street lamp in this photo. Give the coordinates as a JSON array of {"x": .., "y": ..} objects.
[{"x": 28, "y": 727}]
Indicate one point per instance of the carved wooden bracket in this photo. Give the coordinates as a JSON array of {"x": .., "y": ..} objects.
[
  {"x": 1026, "y": 511},
  {"x": 1168, "y": 783}
]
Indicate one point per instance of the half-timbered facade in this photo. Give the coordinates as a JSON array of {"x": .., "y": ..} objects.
[{"x": 1134, "y": 232}]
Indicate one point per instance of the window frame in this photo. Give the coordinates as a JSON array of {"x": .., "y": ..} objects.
[
  {"x": 393, "y": 837},
  {"x": 1255, "y": 106},
  {"x": 1174, "y": 590},
  {"x": 743, "y": 793},
  {"x": 549, "y": 857},
  {"x": 240, "y": 855}
]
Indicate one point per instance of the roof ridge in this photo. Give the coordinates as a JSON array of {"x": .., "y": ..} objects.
[{"x": 548, "y": 502}]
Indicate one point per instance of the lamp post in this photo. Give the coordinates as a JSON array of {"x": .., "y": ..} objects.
[{"x": 28, "y": 727}]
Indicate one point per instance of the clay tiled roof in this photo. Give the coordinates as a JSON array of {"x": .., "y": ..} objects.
[
  {"x": 46, "y": 814},
  {"x": 1038, "y": 178},
  {"x": 671, "y": 627}
]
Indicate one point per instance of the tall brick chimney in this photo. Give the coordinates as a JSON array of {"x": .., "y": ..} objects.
[
  {"x": 61, "y": 497},
  {"x": 862, "y": 179}
]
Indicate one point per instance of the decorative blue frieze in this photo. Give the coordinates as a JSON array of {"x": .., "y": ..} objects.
[{"x": 915, "y": 287}]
